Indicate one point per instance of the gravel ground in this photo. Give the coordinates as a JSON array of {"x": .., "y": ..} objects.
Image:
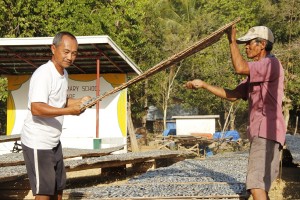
[
  {"x": 220, "y": 175},
  {"x": 293, "y": 144}
]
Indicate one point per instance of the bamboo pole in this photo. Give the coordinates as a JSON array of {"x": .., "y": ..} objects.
[{"x": 198, "y": 46}]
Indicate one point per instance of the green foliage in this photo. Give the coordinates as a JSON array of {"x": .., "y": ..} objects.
[
  {"x": 183, "y": 23},
  {"x": 27, "y": 18},
  {"x": 3, "y": 97},
  {"x": 283, "y": 19},
  {"x": 3, "y": 89},
  {"x": 151, "y": 31}
]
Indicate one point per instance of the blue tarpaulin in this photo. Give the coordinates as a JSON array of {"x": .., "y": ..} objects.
[
  {"x": 171, "y": 128},
  {"x": 227, "y": 134},
  {"x": 169, "y": 132}
]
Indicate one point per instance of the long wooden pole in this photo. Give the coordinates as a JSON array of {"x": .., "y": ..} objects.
[
  {"x": 200, "y": 45},
  {"x": 97, "y": 93}
]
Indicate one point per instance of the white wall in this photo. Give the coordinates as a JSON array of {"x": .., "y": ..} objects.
[
  {"x": 79, "y": 131},
  {"x": 186, "y": 125}
]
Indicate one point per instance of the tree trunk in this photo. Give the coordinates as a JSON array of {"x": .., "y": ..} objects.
[
  {"x": 287, "y": 105},
  {"x": 133, "y": 141},
  {"x": 232, "y": 121},
  {"x": 286, "y": 114},
  {"x": 172, "y": 75},
  {"x": 165, "y": 117},
  {"x": 145, "y": 113},
  {"x": 296, "y": 127}
]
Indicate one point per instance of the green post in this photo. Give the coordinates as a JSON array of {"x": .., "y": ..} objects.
[{"x": 97, "y": 143}]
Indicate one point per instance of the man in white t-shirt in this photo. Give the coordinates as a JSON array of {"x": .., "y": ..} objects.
[{"x": 47, "y": 105}]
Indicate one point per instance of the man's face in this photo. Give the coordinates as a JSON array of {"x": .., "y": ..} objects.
[
  {"x": 65, "y": 53},
  {"x": 254, "y": 49}
]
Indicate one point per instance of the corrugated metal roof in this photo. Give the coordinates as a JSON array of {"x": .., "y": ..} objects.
[{"x": 20, "y": 56}]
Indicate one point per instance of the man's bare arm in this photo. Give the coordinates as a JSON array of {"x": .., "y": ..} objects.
[
  {"x": 230, "y": 95},
  {"x": 44, "y": 110},
  {"x": 240, "y": 65}
]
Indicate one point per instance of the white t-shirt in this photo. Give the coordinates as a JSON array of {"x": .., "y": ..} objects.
[{"x": 47, "y": 86}]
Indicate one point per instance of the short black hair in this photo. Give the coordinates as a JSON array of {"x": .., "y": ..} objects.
[
  {"x": 58, "y": 37},
  {"x": 269, "y": 45}
]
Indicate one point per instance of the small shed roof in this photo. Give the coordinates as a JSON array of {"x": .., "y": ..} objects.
[{"x": 20, "y": 56}]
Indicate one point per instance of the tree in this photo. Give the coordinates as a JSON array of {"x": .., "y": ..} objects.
[
  {"x": 175, "y": 21},
  {"x": 283, "y": 19},
  {"x": 3, "y": 97},
  {"x": 212, "y": 64},
  {"x": 119, "y": 19},
  {"x": 151, "y": 31}
]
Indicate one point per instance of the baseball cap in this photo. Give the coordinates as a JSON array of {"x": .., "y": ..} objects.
[{"x": 257, "y": 32}]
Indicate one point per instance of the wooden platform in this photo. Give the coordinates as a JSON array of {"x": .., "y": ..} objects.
[
  {"x": 12, "y": 166},
  {"x": 16, "y": 169},
  {"x": 9, "y": 138},
  {"x": 69, "y": 195},
  {"x": 159, "y": 157},
  {"x": 14, "y": 182},
  {"x": 189, "y": 143},
  {"x": 13, "y": 159}
]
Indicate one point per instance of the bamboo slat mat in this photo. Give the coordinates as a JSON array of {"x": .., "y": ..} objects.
[
  {"x": 12, "y": 172},
  {"x": 13, "y": 159},
  {"x": 198, "y": 46},
  {"x": 121, "y": 159}
]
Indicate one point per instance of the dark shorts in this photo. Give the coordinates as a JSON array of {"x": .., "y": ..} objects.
[
  {"x": 45, "y": 169},
  {"x": 263, "y": 164}
]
